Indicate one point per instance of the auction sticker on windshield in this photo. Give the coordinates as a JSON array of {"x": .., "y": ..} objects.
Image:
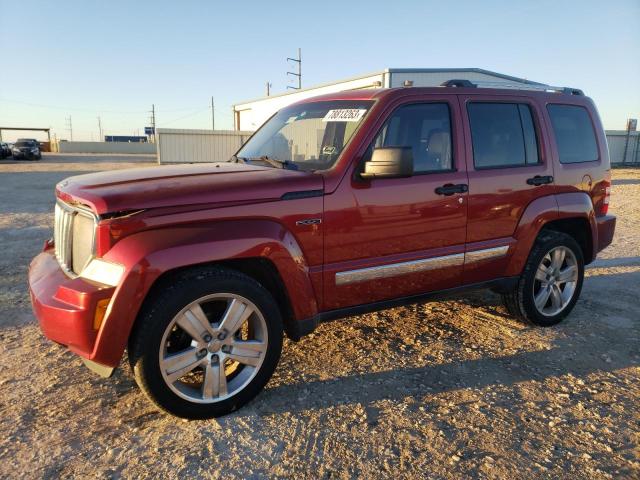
[{"x": 344, "y": 115}]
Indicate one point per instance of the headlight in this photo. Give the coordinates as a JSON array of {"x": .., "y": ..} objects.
[
  {"x": 104, "y": 272},
  {"x": 34, "y": 150}
]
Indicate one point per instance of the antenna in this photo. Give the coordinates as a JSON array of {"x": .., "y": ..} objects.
[
  {"x": 213, "y": 118},
  {"x": 70, "y": 127},
  {"x": 153, "y": 121},
  {"x": 101, "y": 139},
  {"x": 299, "y": 74}
]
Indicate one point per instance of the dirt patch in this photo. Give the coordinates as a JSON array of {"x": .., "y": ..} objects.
[{"x": 446, "y": 390}]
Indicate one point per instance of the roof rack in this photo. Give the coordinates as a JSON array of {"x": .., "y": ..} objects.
[{"x": 512, "y": 86}]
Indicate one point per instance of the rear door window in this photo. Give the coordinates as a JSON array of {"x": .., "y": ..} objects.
[
  {"x": 502, "y": 135},
  {"x": 575, "y": 137}
]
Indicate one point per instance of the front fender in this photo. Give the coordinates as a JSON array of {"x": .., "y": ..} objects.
[
  {"x": 149, "y": 254},
  {"x": 542, "y": 211}
]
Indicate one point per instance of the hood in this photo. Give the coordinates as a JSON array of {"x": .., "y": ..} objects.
[{"x": 211, "y": 184}]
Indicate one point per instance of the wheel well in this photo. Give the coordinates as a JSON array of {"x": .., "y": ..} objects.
[
  {"x": 579, "y": 229},
  {"x": 261, "y": 270}
]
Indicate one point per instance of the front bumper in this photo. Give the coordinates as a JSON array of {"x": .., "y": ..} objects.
[
  {"x": 65, "y": 307},
  {"x": 606, "y": 228},
  {"x": 24, "y": 155}
]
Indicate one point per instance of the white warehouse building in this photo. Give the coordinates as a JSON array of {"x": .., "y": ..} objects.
[{"x": 250, "y": 115}]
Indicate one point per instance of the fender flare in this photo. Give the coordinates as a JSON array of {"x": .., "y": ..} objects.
[
  {"x": 149, "y": 254},
  {"x": 542, "y": 211}
]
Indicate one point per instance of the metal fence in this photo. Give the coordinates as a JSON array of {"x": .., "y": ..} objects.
[
  {"x": 103, "y": 147},
  {"x": 624, "y": 148},
  {"x": 196, "y": 146}
]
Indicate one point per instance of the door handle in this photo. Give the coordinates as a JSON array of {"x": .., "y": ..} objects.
[
  {"x": 540, "y": 180},
  {"x": 450, "y": 189}
]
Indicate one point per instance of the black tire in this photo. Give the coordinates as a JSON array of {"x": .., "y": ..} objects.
[
  {"x": 520, "y": 301},
  {"x": 164, "y": 303}
]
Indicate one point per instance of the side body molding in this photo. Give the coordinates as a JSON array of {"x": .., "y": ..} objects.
[
  {"x": 542, "y": 211},
  {"x": 149, "y": 254}
]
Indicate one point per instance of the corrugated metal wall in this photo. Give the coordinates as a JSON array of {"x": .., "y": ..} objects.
[
  {"x": 617, "y": 140},
  {"x": 197, "y": 146}
]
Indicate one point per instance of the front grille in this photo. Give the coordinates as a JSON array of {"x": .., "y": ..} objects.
[{"x": 73, "y": 235}]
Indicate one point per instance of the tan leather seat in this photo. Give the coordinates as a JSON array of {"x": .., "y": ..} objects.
[{"x": 438, "y": 151}]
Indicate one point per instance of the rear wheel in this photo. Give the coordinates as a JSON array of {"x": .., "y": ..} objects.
[
  {"x": 207, "y": 343},
  {"x": 551, "y": 282}
]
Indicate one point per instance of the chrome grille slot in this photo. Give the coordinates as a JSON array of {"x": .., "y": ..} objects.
[
  {"x": 81, "y": 241},
  {"x": 73, "y": 234}
]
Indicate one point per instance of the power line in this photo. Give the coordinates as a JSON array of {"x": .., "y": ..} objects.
[
  {"x": 90, "y": 110},
  {"x": 186, "y": 116},
  {"x": 299, "y": 74},
  {"x": 57, "y": 107}
]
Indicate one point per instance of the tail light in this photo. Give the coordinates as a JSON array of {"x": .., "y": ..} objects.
[{"x": 604, "y": 208}]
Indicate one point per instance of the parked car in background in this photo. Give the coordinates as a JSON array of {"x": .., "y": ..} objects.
[
  {"x": 5, "y": 150},
  {"x": 407, "y": 194},
  {"x": 26, "y": 148}
]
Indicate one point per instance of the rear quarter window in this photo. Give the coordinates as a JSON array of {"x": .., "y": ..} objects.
[{"x": 574, "y": 133}]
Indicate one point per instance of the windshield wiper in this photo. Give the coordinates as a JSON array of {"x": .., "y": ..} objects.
[
  {"x": 237, "y": 159},
  {"x": 276, "y": 162}
]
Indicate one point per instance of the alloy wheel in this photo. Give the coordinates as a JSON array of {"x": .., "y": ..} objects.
[
  {"x": 555, "y": 281},
  {"x": 213, "y": 348}
]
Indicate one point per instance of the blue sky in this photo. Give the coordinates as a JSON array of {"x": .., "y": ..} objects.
[{"x": 114, "y": 59}]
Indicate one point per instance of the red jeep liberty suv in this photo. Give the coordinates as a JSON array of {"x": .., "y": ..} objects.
[{"x": 337, "y": 205}]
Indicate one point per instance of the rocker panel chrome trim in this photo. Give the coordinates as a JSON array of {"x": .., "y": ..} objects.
[
  {"x": 394, "y": 269},
  {"x": 485, "y": 254}
]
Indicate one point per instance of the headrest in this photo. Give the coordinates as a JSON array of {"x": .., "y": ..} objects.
[{"x": 439, "y": 144}]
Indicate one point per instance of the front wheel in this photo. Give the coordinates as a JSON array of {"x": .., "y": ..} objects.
[
  {"x": 206, "y": 343},
  {"x": 551, "y": 282}
]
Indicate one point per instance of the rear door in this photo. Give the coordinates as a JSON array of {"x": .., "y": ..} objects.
[
  {"x": 508, "y": 169},
  {"x": 396, "y": 237}
]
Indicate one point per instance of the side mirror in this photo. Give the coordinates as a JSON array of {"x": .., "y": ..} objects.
[{"x": 389, "y": 162}]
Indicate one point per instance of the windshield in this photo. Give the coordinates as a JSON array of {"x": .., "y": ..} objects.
[
  {"x": 25, "y": 144},
  {"x": 310, "y": 136}
]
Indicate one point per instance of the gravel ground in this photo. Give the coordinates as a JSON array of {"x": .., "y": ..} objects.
[{"x": 444, "y": 390}]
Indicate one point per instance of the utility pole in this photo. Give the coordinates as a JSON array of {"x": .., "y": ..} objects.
[
  {"x": 213, "y": 117},
  {"x": 101, "y": 138},
  {"x": 299, "y": 74},
  {"x": 69, "y": 127},
  {"x": 153, "y": 121},
  {"x": 269, "y": 85}
]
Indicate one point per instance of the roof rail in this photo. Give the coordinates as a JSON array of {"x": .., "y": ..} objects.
[
  {"x": 458, "y": 83},
  {"x": 512, "y": 86}
]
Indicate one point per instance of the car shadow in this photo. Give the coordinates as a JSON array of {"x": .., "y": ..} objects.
[
  {"x": 614, "y": 262},
  {"x": 573, "y": 354},
  {"x": 563, "y": 359}
]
